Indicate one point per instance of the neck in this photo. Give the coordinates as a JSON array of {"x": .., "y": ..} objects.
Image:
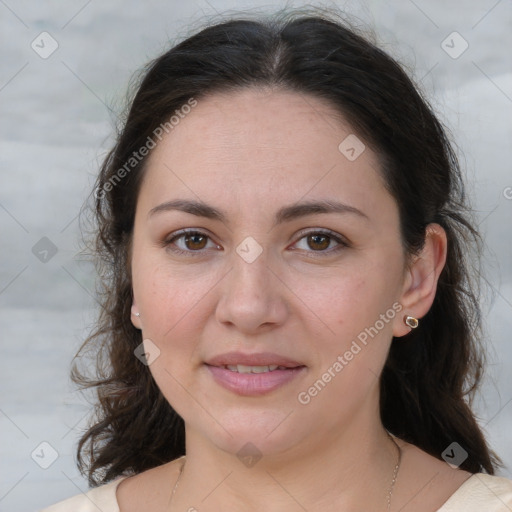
[{"x": 349, "y": 470}]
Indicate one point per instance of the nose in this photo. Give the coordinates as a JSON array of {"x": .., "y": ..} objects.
[{"x": 252, "y": 297}]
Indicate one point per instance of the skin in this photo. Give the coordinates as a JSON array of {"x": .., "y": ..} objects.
[{"x": 248, "y": 154}]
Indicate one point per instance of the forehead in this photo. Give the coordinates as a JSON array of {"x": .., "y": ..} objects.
[
  {"x": 258, "y": 145},
  {"x": 273, "y": 124}
]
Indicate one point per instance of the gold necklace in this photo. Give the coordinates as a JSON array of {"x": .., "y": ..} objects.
[
  {"x": 395, "y": 471},
  {"x": 390, "y": 492},
  {"x": 177, "y": 482}
]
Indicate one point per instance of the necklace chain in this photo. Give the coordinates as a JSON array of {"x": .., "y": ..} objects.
[
  {"x": 177, "y": 482},
  {"x": 390, "y": 492},
  {"x": 395, "y": 471}
]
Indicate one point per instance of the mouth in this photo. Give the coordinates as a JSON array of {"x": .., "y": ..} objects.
[
  {"x": 255, "y": 374},
  {"x": 241, "y": 368},
  {"x": 259, "y": 361}
]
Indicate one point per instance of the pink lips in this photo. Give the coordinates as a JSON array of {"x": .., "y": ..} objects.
[{"x": 253, "y": 384}]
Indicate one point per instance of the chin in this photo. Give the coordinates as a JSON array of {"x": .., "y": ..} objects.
[{"x": 252, "y": 433}]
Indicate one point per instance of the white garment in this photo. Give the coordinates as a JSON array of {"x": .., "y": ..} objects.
[{"x": 479, "y": 493}]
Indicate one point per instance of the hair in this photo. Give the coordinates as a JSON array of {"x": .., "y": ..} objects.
[{"x": 429, "y": 379}]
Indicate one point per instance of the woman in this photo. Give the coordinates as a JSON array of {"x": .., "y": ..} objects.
[{"x": 284, "y": 244}]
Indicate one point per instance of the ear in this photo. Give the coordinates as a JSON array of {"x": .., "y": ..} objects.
[
  {"x": 420, "y": 283},
  {"x": 135, "y": 316}
]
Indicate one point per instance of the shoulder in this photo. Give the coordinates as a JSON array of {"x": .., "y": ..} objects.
[
  {"x": 102, "y": 498},
  {"x": 428, "y": 483},
  {"x": 481, "y": 492}
]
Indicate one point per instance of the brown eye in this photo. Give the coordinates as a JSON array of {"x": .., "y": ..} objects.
[
  {"x": 321, "y": 243},
  {"x": 318, "y": 241},
  {"x": 189, "y": 243},
  {"x": 195, "y": 241}
]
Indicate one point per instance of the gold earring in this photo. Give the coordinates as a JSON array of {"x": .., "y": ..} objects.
[{"x": 411, "y": 321}]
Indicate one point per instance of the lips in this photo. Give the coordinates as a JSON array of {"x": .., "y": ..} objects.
[
  {"x": 253, "y": 374},
  {"x": 241, "y": 368}
]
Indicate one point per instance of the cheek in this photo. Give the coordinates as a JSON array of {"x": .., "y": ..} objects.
[
  {"x": 172, "y": 301},
  {"x": 346, "y": 303},
  {"x": 173, "y": 311},
  {"x": 349, "y": 361}
]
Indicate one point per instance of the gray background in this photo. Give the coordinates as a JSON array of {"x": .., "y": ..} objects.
[{"x": 56, "y": 125}]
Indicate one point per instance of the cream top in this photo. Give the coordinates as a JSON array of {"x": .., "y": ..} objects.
[{"x": 479, "y": 493}]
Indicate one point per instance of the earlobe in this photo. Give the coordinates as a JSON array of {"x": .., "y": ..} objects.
[
  {"x": 135, "y": 317},
  {"x": 420, "y": 284}
]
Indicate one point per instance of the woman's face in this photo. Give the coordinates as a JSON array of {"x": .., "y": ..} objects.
[{"x": 267, "y": 282}]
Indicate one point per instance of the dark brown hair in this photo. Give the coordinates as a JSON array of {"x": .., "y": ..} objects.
[{"x": 429, "y": 377}]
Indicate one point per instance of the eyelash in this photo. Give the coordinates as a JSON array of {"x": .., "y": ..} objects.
[{"x": 342, "y": 243}]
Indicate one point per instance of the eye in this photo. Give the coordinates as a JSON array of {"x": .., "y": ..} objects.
[
  {"x": 320, "y": 242},
  {"x": 193, "y": 242},
  {"x": 188, "y": 242}
]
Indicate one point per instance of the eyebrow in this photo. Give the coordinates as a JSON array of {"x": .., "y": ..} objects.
[{"x": 284, "y": 214}]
